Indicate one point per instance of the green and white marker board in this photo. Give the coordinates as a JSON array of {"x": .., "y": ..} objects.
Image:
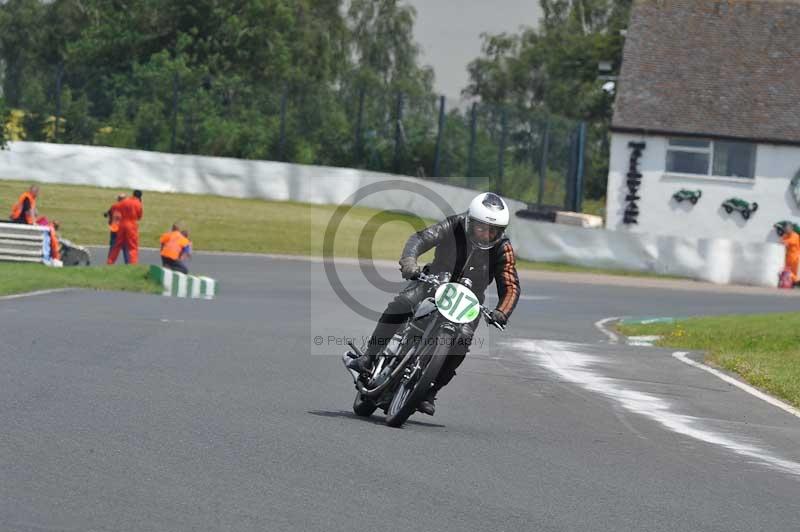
[{"x": 177, "y": 284}]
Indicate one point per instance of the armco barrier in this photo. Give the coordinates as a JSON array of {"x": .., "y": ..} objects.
[
  {"x": 177, "y": 284},
  {"x": 22, "y": 242}
]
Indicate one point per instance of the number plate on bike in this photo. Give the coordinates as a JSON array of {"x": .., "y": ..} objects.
[{"x": 457, "y": 303}]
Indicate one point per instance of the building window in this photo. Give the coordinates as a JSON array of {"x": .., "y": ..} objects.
[{"x": 712, "y": 158}]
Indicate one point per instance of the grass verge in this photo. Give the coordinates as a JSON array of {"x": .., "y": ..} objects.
[
  {"x": 764, "y": 349},
  {"x": 245, "y": 225},
  {"x": 19, "y": 278}
]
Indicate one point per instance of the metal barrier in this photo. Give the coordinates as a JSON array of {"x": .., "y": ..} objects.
[{"x": 21, "y": 242}]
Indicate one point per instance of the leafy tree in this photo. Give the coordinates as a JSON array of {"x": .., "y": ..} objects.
[{"x": 554, "y": 69}]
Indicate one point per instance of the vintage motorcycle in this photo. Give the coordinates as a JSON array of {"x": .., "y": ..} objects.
[{"x": 407, "y": 367}]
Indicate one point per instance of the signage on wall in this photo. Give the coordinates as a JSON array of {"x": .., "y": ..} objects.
[
  {"x": 692, "y": 196},
  {"x": 741, "y": 206},
  {"x": 631, "y": 215}
]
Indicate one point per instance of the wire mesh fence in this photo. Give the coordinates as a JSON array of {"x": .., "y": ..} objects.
[{"x": 525, "y": 154}]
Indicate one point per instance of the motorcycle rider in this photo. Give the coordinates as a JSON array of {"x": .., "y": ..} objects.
[{"x": 471, "y": 245}]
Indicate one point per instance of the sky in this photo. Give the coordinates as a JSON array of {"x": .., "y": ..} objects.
[{"x": 448, "y": 32}]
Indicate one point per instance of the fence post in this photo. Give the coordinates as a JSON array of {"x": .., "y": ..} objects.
[
  {"x": 543, "y": 161},
  {"x": 398, "y": 133},
  {"x": 359, "y": 141},
  {"x": 282, "y": 133},
  {"x": 577, "y": 147},
  {"x": 438, "y": 156},
  {"x": 578, "y": 203},
  {"x": 473, "y": 133},
  {"x": 59, "y": 79},
  {"x": 502, "y": 150},
  {"x": 174, "y": 111}
]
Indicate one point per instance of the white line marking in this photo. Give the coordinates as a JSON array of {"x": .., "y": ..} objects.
[
  {"x": 642, "y": 341},
  {"x": 684, "y": 357},
  {"x": 601, "y": 326},
  {"x": 36, "y": 293},
  {"x": 564, "y": 360}
]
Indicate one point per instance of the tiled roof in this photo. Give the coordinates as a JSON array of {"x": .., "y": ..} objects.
[{"x": 726, "y": 68}]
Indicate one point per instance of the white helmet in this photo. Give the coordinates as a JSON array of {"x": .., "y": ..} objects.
[{"x": 486, "y": 220}]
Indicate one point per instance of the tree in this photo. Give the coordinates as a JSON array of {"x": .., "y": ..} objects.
[
  {"x": 217, "y": 77},
  {"x": 554, "y": 69}
]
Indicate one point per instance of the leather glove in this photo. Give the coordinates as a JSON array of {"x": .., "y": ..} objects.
[
  {"x": 409, "y": 267},
  {"x": 499, "y": 316}
]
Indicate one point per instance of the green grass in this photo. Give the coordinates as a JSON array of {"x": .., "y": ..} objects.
[
  {"x": 246, "y": 225},
  {"x": 220, "y": 224},
  {"x": 595, "y": 206},
  {"x": 764, "y": 349},
  {"x": 19, "y": 277}
]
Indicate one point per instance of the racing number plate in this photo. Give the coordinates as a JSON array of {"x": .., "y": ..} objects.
[{"x": 457, "y": 303}]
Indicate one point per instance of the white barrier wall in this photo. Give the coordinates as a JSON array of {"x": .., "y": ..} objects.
[
  {"x": 659, "y": 214},
  {"x": 238, "y": 178},
  {"x": 714, "y": 260},
  {"x": 719, "y": 261}
]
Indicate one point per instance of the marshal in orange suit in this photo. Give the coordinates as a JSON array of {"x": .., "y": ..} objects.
[{"x": 130, "y": 211}]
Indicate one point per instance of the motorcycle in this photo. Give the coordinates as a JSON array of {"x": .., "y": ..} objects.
[{"x": 406, "y": 368}]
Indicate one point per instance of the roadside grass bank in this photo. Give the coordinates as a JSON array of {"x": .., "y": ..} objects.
[
  {"x": 220, "y": 224},
  {"x": 243, "y": 225},
  {"x": 17, "y": 278},
  {"x": 764, "y": 349}
]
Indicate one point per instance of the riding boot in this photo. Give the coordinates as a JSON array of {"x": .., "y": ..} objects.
[{"x": 427, "y": 405}]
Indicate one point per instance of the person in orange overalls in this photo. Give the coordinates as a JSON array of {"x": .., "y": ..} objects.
[
  {"x": 24, "y": 210},
  {"x": 55, "y": 253},
  {"x": 792, "y": 242},
  {"x": 53, "y": 226},
  {"x": 114, "y": 218},
  {"x": 175, "y": 248},
  {"x": 130, "y": 210}
]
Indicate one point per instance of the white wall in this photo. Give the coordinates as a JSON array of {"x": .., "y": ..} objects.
[
  {"x": 164, "y": 172},
  {"x": 659, "y": 214},
  {"x": 718, "y": 261}
]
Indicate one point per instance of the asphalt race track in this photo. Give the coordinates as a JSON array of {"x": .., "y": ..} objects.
[{"x": 127, "y": 412}]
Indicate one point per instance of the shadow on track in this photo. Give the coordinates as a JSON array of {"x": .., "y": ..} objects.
[{"x": 374, "y": 420}]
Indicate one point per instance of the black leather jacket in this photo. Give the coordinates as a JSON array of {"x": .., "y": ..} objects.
[{"x": 456, "y": 255}]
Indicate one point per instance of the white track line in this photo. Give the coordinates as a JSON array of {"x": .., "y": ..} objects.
[
  {"x": 567, "y": 361},
  {"x": 684, "y": 357},
  {"x": 36, "y": 293},
  {"x": 601, "y": 326}
]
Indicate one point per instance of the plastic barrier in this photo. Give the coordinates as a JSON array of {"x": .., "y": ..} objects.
[
  {"x": 177, "y": 284},
  {"x": 22, "y": 242}
]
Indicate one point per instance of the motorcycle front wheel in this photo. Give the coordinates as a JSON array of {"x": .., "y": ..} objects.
[{"x": 412, "y": 391}]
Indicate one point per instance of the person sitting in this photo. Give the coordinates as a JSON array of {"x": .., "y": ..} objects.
[
  {"x": 176, "y": 248},
  {"x": 24, "y": 210},
  {"x": 52, "y": 246}
]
